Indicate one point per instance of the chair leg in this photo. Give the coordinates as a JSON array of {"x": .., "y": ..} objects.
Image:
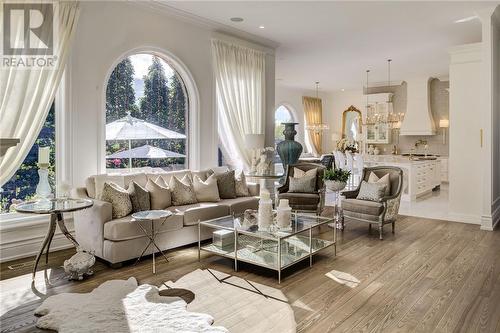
[
  {"x": 393, "y": 226},
  {"x": 381, "y": 231},
  {"x": 369, "y": 228}
]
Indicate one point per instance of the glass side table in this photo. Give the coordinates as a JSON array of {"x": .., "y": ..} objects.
[
  {"x": 151, "y": 215},
  {"x": 56, "y": 208}
]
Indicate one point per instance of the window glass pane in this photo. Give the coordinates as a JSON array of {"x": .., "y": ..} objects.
[
  {"x": 281, "y": 115},
  {"x": 146, "y": 115},
  {"x": 22, "y": 186}
]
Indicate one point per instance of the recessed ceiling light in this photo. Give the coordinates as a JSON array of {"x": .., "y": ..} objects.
[
  {"x": 261, "y": 27},
  {"x": 467, "y": 19},
  {"x": 236, "y": 19},
  {"x": 342, "y": 89}
]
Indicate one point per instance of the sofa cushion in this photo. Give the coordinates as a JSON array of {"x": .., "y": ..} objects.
[
  {"x": 182, "y": 191},
  {"x": 169, "y": 174},
  {"x": 203, "y": 174},
  {"x": 119, "y": 199},
  {"x": 241, "y": 186},
  {"x": 139, "y": 197},
  {"x": 206, "y": 191},
  {"x": 121, "y": 180},
  {"x": 226, "y": 184},
  {"x": 202, "y": 211},
  {"x": 300, "y": 199},
  {"x": 362, "y": 206},
  {"x": 125, "y": 228},
  {"x": 160, "y": 196},
  {"x": 239, "y": 205}
]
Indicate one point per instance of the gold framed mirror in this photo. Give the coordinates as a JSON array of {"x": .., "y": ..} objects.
[{"x": 352, "y": 124}]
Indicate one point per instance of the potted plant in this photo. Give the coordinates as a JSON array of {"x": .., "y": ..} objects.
[{"x": 336, "y": 179}]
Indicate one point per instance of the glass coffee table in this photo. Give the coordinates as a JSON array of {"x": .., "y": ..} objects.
[{"x": 274, "y": 249}]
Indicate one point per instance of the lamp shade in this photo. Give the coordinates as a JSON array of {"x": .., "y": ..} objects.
[
  {"x": 335, "y": 136},
  {"x": 444, "y": 123},
  {"x": 254, "y": 141}
]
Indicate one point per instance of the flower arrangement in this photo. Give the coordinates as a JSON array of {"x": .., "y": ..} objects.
[
  {"x": 348, "y": 145},
  {"x": 338, "y": 175}
]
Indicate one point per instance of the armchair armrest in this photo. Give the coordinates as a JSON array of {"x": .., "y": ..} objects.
[
  {"x": 350, "y": 194},
  {"x": 89, "y": 223}
]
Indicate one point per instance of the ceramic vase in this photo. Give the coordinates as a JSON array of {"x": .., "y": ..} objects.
[{"x": 289, "y": 150}]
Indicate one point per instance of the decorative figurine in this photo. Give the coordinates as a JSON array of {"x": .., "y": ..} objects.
[{"x": 79, "y": 265}]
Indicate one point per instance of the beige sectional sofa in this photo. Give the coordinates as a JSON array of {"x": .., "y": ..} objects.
[{"x": 118, "y": 240}]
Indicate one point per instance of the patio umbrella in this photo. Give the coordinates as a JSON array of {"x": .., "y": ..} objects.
[
  {"x": 130, "y": 128},
  {"x": 145, "y": 151}
]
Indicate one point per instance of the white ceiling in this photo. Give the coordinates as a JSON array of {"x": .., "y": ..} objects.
[{"x": 335, "y": 42}]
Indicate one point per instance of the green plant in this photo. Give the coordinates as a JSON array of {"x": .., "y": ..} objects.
[{"x": 339, "y": 175}]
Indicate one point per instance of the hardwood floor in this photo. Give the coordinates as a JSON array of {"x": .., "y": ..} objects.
[{"x": 431, "y": 276}]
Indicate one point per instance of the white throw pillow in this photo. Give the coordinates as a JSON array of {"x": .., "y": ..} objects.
[
  {"x": 384, "y": 180},
  {"x": 160, "y": 195},
  {"x": 206, "y": 191}
]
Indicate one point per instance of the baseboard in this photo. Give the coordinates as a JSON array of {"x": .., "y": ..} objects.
[
  {"x": 464, "y": 218},
  {"x": 25, "y": 241}
]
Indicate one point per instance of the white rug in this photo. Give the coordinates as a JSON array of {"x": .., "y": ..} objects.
[{"x": 121, "y": 306}]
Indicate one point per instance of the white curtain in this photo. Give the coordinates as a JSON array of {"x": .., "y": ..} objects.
[
  {"x": 26, "y": 94},
  {"x": 240, "y": 93}
]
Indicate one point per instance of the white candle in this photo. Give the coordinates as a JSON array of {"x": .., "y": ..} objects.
[{"x": 43, "y": 155}]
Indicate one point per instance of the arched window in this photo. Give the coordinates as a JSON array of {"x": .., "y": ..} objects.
[
  {"x": 146, "y": 115},
  {"x": 281, "y": 115}
]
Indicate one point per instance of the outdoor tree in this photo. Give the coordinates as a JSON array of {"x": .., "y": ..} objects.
[
  {"x": 120, "y": 94},
  {"x": 154, "y": 106}
]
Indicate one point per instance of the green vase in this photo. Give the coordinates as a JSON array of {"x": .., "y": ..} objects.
[{"x": 289, "y": 150}]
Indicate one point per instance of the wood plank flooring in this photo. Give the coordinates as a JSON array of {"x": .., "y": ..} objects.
[{"x": 431, "y": 276}]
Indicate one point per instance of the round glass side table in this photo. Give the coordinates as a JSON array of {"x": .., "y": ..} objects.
[
  {"x": 55, "y": 208},
  {"x": 152, "y": 216}
]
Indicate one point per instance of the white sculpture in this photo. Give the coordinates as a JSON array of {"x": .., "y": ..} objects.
[{"x": 79, "y": 265}]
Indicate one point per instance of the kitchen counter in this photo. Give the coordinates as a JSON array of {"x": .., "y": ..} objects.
[{"x": 419, "y": 176}]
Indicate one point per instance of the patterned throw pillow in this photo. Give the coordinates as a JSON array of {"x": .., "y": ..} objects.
[
  {"x": 371, "y": 191},
  {"x": 139, "y": 197},
  {"x": 298, "y": 173},
  {"x": 160, "y": 196},
  {"x": 384, "y": 180},
  {"x": 241, "y": 186},
  {"x": 182, "y": 191},
  {"x": 119, "y": 199},
  {"x": 305, "y": 184},
  {"x": 206, "y": 191},
  {"x": 226, "y": 184}
]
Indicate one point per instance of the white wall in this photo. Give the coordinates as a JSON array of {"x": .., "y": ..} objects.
[
  {"x": 108, "y": 30},
  {"x": 465, "y": 158},
  {"x": 495, "y": 39},
  {"x": 292, "y": 98}
]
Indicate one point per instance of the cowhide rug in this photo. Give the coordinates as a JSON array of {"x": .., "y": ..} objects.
[{"x": 121, "y": 306}]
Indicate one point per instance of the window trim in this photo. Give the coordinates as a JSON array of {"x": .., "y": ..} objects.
[{"x": 193, "y": 125}]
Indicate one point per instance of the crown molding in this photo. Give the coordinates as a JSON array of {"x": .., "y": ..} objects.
[{"x": 202, "y": 22}]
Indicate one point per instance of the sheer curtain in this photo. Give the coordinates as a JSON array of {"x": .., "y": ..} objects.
[
  {"x": 240, "y": 93},
  {"x": 313, "y": 115},
  {"x": 26, "y": 94}
]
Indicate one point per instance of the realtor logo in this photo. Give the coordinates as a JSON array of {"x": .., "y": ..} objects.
[
  {"x": 28, "y": 29},
  {"x": 28, "y": 35}
]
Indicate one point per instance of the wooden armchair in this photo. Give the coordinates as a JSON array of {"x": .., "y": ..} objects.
[
  {"x": 384, "y": 211},
  {"x": 313, "y": 201}
]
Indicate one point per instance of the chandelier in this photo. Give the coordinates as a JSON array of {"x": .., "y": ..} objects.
[
  {"x": 373, "y": 117},
  {"x": 317, "y": 128}
]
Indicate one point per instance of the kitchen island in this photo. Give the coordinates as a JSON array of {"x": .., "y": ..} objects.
[{"x": 419, "y": 176}]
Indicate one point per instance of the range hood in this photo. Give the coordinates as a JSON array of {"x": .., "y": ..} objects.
[{"x": 418, "y": 118}]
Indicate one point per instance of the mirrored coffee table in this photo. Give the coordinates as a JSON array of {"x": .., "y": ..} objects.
[{"x": 274, "y": 249}]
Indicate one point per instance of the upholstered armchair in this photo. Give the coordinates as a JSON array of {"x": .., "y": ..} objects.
[
  {"x": 380, "y": 212},
  {"x": 313, "y": 201}
]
